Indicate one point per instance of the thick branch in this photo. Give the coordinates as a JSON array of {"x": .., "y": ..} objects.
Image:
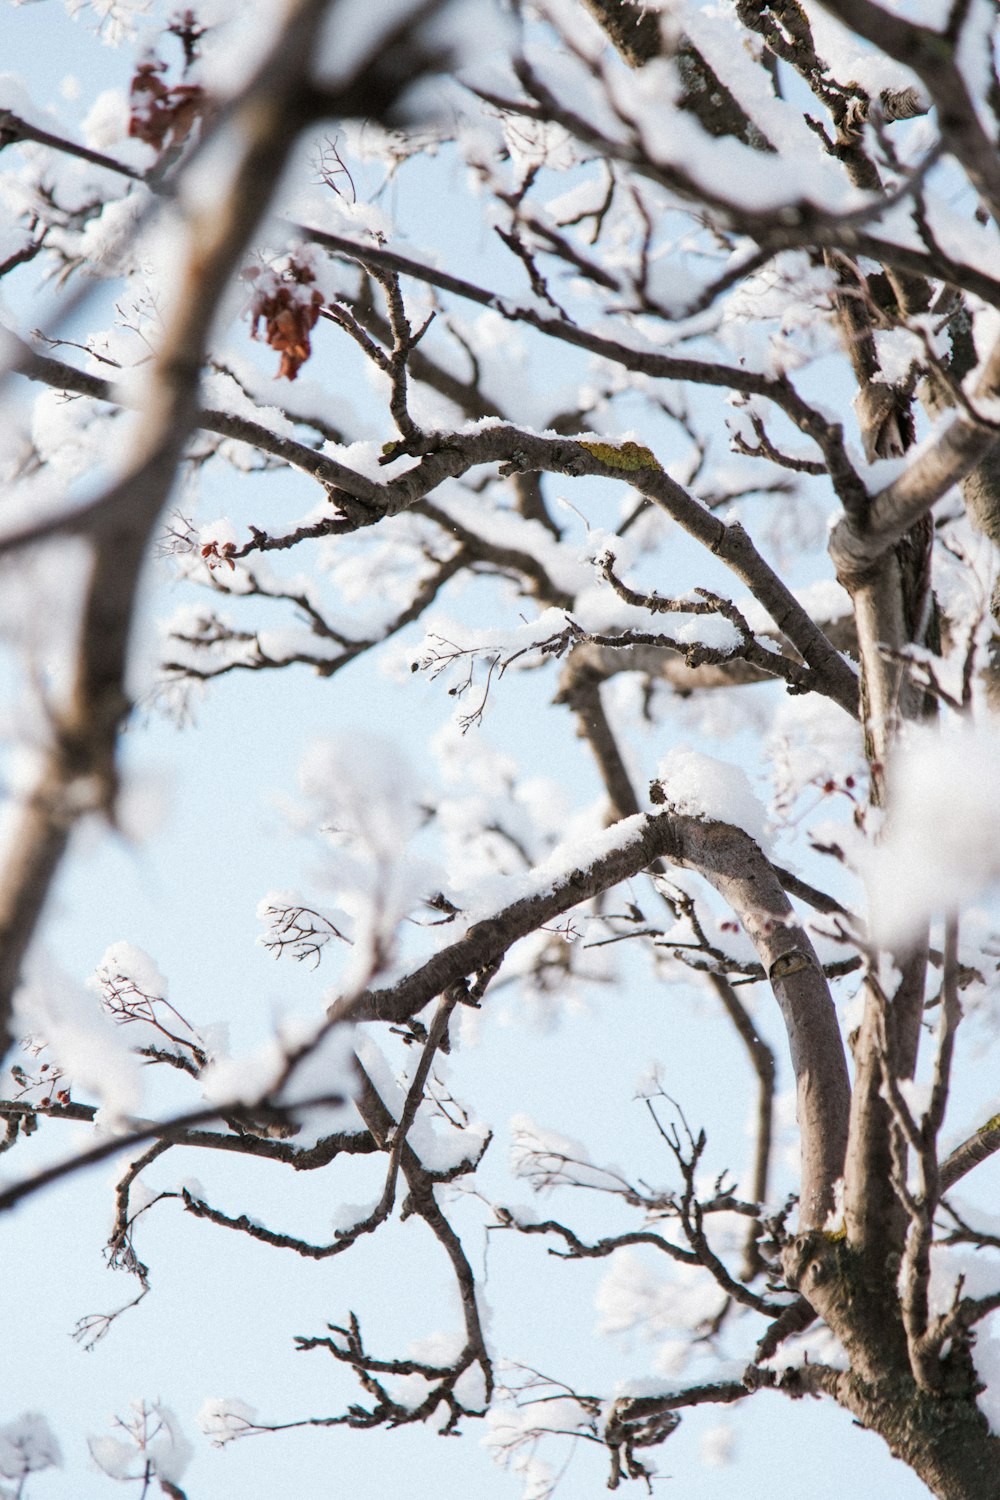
[
  {"x": 931, "y": 471},
  {"x": 731, "y": 861}
]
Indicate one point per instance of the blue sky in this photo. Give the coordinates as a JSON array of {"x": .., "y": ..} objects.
[{"x": 222, "y": 1312}]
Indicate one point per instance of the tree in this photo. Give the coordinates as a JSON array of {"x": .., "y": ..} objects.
[{"x": 737, "y": 267}]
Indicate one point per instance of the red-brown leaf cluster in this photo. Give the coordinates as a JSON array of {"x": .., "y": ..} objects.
[
  {"x": 162, "y": 115},
  {"x": 216, "y": 553},
  {"x": 289, "y": 308}
]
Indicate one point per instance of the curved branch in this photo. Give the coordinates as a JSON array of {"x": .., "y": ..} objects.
[
  {"x": 930, "y": 472},
  {"x": 731, "y": 862},
  {"x": 628, "y": 848}
]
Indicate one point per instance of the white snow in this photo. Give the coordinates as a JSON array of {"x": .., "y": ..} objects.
[
  {"x": 108, "y": 241},
  {"x": 718, "y": 1446},
  {"x": 27, "y": 1445},
  {"x": 704, "y": 787},
  {"x": 942, "y": 841},
  {"x": 368, "y": 803},
  {"x": 113, "y": 1457},
  {"x": 155, "y": 1445},
  {"x": 714, "y": 631},
  {"x": 633, "y": 1297},
  {"x": 92, "y": 1052},
  {"x": 325, "y": 1069},
  {"x": 538, "y": 1152},
  {"x": 224, "y": 1418},
  {"x": 106, "y": 122},
  {"x": 584, "y": 849},
  {"x": 169, "y": 1452},
  {"x": 125, "y": 959}
]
